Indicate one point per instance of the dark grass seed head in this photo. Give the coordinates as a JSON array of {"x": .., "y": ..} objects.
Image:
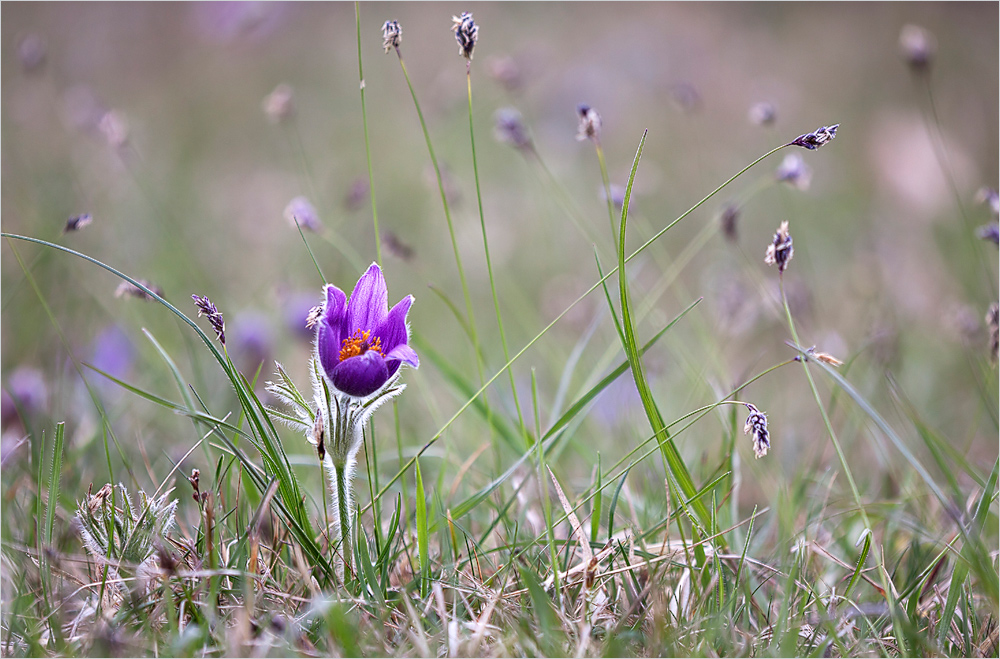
[
  {"x": 509, "y": 128},
  {"x": 78, "y": 222},
  {"x": 794, "y": 171},
  {"x": 589, "y": 127},
  {"x": 207, "y": 309},
  {"x": 779, "y": 252},
  {"x": 918, "y": 47},
  {"x": 392, "y": 35},
  {"x": 127, "y": 288},
  {"x": 729, "y": 218},
  {"x": 817, "y": 138},
  {"x": 762, "y": 114},
  {"x": 466, "y": 34},
  {"x": 757, "y": 423}
]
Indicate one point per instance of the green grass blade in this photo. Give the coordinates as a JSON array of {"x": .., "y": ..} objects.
[
  {"x": 676, "y": 468},
  {"x": 55, "y": 473},
  {"x": 423, "y": 534}
]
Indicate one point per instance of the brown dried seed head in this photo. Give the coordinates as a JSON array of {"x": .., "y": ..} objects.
[{"x": 827, "y": 359}]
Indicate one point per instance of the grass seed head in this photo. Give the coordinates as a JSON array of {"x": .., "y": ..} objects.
[
  {"x": 779, "y": 252},
  {"x": 729, "y": 218},
  {"x": 794, "y": 171},
  {"x": 757, "y": 423},
  {"x": 301, "y": 212},
  {"x": 207, "y": 309},
  {"x": 918, "y": 47},
  {"x": 279, "y": 105},
  {"x": 762, "y": 114},
  {"x": 466, "y": 34},
  {"x": 131, "y": 290},
  {"x": 392, "y": 35},
  {"x": 509, "y": 128},
  {"x": 590, "y": 124},
  {"x": 817, "y": 138},
  {"x": 78, "y": 222}
]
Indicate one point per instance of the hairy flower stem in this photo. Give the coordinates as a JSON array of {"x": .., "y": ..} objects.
[
  {"x": 344, "y": 510},
  {"x": 489, "y": 266},
  {"x": 447, "y": 215},
  {"x": 368, "y": 150}
]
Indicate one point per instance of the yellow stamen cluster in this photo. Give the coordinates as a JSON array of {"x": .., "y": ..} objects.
[{"x": 359, "y": 345}]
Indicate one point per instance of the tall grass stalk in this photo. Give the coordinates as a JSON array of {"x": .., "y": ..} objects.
[
  {"x": 368, "y": 148},
  {"x": 489, "y": 265},
  {"x": 447, "y": 214}
]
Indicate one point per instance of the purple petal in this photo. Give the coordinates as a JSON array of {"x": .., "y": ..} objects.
[
  {"x": 401, "y": 353},
  {"x": 369, "y": 302},
  {"x": 328, "y": 348},
  {"x": 361, "y": 375},
  {"x": 334, "y": 312},
  {"x": 393, "y": 332}
]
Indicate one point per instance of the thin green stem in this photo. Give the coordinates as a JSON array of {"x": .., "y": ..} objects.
[
  {"x": 368, "y": 150},
  {"x": 886, "y": 586},
  {"x": 447, "y": 215},
  {"x": 942, "y": 157},
  {"x": 607, "y": 192},
  {"x": 489, "y": 266}
]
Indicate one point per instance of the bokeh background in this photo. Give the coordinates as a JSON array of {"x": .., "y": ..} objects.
[{"x": 149, "y": 118}]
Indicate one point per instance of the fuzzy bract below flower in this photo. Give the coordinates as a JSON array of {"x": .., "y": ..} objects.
[
  {"x": 757, "y": 422},
  {"x": 466, "y": 34},
  {"x": 590, "y": 124},
  {"x": 780, "y": 250},
  {"x": 817, "y": 138},
  {"x": 392, "y": 35},
  {"x": 361, "y": 342}
]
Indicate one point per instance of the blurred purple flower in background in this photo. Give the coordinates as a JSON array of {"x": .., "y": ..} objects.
[
  {"x": 299, "y": 211},
  {"x": 113, "y": 353},
  {"x": 24, "y": 393},
  {"x": 361, "y": 343},
  {"x": 251, "y": 340}
]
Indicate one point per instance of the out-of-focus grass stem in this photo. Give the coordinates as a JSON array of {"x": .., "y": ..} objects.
[
  {"x": 489, "y": 265},
  {"x": 447, "y": 215},
  {"x": 368, "y": 149}
]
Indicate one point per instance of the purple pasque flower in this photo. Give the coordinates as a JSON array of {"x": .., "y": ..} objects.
[{"x": 361, "y": 342}]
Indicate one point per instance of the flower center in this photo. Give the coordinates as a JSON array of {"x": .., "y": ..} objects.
[{"x": 359, "y": 344}]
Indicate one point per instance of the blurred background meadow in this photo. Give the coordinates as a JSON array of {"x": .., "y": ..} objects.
[{"x": 186, "y": 134}]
